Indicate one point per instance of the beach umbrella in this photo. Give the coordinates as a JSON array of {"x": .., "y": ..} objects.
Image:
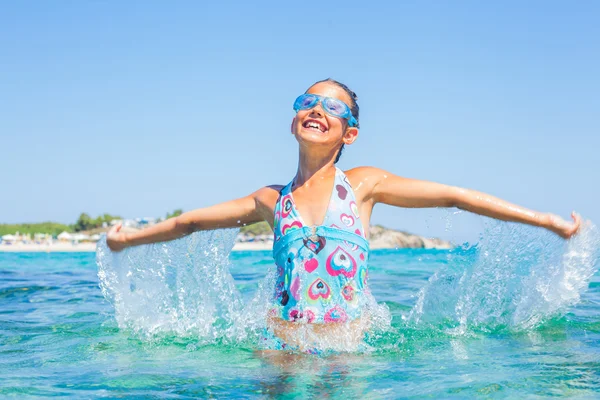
[
  {"x": 65, "y": 236},
  {"x": 80, "y": 236}
]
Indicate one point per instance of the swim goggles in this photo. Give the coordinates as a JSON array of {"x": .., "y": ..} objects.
[{"x": 330, "y": 105}]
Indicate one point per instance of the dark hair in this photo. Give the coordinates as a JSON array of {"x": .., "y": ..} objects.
[{"x": 353, "y": 106}]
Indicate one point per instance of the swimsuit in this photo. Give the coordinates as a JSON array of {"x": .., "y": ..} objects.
[{"x": 321, "y": 270}]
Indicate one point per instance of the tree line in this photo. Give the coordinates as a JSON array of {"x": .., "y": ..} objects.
[{"x": 84, "y": 223}]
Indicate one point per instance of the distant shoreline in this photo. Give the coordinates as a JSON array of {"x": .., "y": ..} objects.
[
  {"x": 379, "y": 238},
  {"x": 48, "y": 248},
  {"x": 91, "y": 247}
]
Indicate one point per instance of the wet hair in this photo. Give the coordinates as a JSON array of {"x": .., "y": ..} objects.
[{"x": 353, "y": 106}]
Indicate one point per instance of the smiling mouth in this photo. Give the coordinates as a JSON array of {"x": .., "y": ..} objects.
[{"x": 315, "y": 126}]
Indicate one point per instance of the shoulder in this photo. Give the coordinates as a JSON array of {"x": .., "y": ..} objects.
[
  {"x": 365, "y": 176},
  {"x": 364, "y": 181},
  {"x": 268, "y": 195}
]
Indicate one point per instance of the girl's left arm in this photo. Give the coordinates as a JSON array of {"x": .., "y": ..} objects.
[{"x": 403, "y": 192}]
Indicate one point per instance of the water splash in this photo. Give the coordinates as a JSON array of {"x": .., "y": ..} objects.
[
  {"x": 515, "y": 278},
  {"x": 185, "y": 288}
]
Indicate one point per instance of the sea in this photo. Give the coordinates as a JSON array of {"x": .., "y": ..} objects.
[{"x": 515, "y": 315}]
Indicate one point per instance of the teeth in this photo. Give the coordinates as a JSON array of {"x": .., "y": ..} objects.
[{"x": 314, "y": 125}]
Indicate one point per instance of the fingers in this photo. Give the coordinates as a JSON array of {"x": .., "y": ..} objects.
[
  {"x": 114, "y": 238},
  {"x": 115, "y": 229},
  {"x": 577, "y": 221},
  {"x": 573, "y": 227}
]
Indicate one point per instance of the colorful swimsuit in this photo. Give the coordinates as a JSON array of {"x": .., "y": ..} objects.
[{"x": 321, "y": 270}]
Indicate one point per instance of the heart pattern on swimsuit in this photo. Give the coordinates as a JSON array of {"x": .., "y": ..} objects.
[
  {"x": 354, "y": 209},
  {"x": 336, "y": 314},
  {"x": 285, "y": 298},
  {"x": 363, "y": 275},
  {"x": 296, "y": 315},
  {"x": 347, "y": 220},
  {"x": 341, "y": 262},
  {"x": 313, "y": 246},
  {"x": 351, "y": 246},
  {"x": 348, "y": 292},
  {"x": 309, "y": 315},
  {"x": 288, "y": 205},
  {"x": 295, "y": 288},
  {"x": 311, "y": 265},
  {"x": 341, "y": 191},
  {"x": 319, "y": 289},
  {"x": 290, "y": 227}
]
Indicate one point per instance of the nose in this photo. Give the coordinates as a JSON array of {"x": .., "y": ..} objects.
[{"x": 318, "y": 110}]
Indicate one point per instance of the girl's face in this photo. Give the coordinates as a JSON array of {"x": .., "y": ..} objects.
[{"x": 315, "y": 126}]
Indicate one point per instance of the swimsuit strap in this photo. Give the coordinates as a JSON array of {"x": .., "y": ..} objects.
[
  {"x": 343, "y": 211},
  {"x": 286, "y": 217}
]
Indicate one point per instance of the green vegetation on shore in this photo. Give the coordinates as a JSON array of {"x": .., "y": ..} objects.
[
  {"x": 84, "y": 223},
  {"x": 175, "y": 213},
  {"x": 259, "y": 228},
  {"x": 52, "y": 228}
]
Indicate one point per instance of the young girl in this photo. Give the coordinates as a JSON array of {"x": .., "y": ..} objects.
[{"x": 321, "y": 220}]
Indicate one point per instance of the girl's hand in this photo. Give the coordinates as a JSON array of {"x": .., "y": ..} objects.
[
  {"x": 115, "y": 239},
  {"x": 564, "y": 228}
]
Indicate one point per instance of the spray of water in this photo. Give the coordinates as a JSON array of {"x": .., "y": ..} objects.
[
  {"x": 185, "y": 288},
  {"x": 515, "y": 278}
]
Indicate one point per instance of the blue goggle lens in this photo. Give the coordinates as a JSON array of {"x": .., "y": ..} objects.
[
  {"x": 305, "y": 102},
  {"x": 335, "y": 107}
]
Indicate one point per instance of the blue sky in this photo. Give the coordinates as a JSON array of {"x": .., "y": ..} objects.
[{"x": 140, "y": 108}]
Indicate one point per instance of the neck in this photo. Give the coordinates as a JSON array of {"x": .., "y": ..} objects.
[{"x": 314, "y": 166}]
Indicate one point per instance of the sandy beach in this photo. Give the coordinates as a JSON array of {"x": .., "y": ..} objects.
[{"x": 54, "y": 247}]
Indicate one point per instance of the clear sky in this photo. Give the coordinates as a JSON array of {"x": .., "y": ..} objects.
[{"x": 137, "y": 108}]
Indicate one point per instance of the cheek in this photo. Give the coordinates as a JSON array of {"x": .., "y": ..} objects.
[
  {"x": 294, "y": 124},
  {"x": 294, "y": 127},
  {"x": 335, "y": 124}
]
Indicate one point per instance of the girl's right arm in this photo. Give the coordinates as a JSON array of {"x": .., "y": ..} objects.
[{"x": 247, "y": 210}]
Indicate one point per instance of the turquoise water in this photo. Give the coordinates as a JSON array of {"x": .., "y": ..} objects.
[{"x": 515, "y": 316}]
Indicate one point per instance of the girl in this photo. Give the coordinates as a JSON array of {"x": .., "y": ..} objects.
[{"x": 320, "y": 221}]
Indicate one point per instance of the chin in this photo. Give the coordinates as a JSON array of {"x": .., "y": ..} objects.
[
  {"x": 310, "y": 132},
  {"x": 312, "y": 137}
]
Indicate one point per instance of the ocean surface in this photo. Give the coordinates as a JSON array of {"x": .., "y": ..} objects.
[{"x": 516, "y": 315}]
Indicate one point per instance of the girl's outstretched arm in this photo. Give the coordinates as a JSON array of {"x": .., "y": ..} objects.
[
  {"x": 402, "y": 192},
  {"x": 235, "y": 213}
]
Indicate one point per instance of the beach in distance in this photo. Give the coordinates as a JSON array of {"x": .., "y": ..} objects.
[{"x": 379, "y": 238}]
